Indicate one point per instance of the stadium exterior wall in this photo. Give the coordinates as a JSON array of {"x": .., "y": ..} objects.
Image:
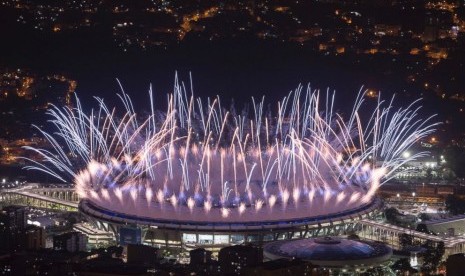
[{"x": 190, "y": 234}]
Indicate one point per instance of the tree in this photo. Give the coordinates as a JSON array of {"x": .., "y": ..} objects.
[
  {"x": 376, "y": 271},
  {"x": 421, "y": 227},
  {"x": 429, "y": 173},
  {"x": 424, "y": 217},
  {"x": 405, "y": 240},
  {"x": 403, "y": 266},
  {"x": 448, "y": 174},
  {"x": 432, "y": 256},
  {"x": 391, "y": 215},
  {"x": 455, "y": 157},
  {"x": 455, "y": 205}
]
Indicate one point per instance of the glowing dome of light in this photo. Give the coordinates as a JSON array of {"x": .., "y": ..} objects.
[
  {"x": 330, "y": 252},
  {"x": 201, "y": 162}
]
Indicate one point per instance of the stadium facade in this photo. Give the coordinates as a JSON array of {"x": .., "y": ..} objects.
[{"x": 189, "y": 234}]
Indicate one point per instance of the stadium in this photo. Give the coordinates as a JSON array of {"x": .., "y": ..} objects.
[
  {"x": 199, "y": 174},
  {"x": 188, "y": 233}
]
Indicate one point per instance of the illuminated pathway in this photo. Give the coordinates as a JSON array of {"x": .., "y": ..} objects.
[
  {"x": 64, "y": 199},
  {"x": 388, "y": 233}
]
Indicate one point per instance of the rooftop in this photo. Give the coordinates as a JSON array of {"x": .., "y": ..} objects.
[{"x": 330, "y": 251}]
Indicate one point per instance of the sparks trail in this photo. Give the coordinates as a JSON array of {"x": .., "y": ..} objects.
[{"x": 199, "y": 156}]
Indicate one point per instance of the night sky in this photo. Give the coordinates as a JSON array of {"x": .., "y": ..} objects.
[{"x": 232, "y": 64}]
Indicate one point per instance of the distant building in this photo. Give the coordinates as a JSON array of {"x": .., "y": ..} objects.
[
  {"x": 70, "y": 242},
  {"x": 12, "y": 228},
  {"x": 200, "y": 256},
  {"x": 387, "y": 30},
  {"x": 427, "y": 190},
  {"x": 35, "y": 238},
  {"x": 286, "y": 267},
  {"x": 16, "y": 216},
  {"x": 42, "y": 262},
  {"x": 201, "y": 262},
  {"x": 234, "y": 259},
  {"x": 302, "y": 35},
  {"x": 139, "y": 254},
  {"x": 111, "y": 266},
  {"x": 95, "y": 237},
  {"x": 430, "y": 33},
  {"x": 445, "y": 190},
  {"x": 417, "y": 168},
  {"x": 448, "y": 227},
  {"x": 454, "y": 264},
  {"x": 130, "y": 235}
]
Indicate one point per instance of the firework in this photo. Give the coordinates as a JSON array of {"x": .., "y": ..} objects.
[{"x": 202, "y": 161}]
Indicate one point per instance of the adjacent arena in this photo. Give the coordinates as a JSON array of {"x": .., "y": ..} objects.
[{"x": 329, "y": 252}]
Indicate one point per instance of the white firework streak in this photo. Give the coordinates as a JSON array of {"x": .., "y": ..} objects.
[{"x": 197, "y": 153}]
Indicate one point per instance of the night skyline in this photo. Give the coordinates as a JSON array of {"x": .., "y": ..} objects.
[
  {"x": 335, "y": 46},
  {"x": 53, "y": 53}
]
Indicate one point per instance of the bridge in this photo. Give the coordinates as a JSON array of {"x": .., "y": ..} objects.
[
  {"x": 60, "y": 199},
  {"x": 388, "y": 233}
]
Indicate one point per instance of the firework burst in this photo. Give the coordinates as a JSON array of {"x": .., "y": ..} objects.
[{"x": 198, "y": 156}]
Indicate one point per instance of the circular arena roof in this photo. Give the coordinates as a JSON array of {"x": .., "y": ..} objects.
[
  {"x": 330, "y": 251},
  {"x": 188, "y": 221}
]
